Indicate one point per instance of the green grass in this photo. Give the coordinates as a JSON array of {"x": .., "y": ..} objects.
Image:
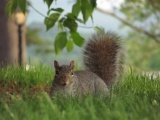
[
  {"x": 35, "y": 75},
  {"x": 133, "y": 98}
]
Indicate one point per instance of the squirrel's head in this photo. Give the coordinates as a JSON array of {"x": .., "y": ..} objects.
[
  {"x": 63, "y": 74},
  {"x": 63, "y": 80}
]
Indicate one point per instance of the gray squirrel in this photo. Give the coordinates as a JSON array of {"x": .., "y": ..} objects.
[{"x": 103, "y": 60}]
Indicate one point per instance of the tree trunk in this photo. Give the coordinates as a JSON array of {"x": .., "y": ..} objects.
[{"x": 9, "y": 39}]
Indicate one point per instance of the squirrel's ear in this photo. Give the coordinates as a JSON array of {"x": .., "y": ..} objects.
[
  {"x": 72, "y": 65},
  {"x": 56, "y": 64}
]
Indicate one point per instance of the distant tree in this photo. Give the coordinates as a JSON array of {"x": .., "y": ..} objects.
[
  {"x": 142, "y": 16},
  {"x": 143, "y": 53},
  {"x": 32, "y": 37},
  {"x": 40, "y": 46}
]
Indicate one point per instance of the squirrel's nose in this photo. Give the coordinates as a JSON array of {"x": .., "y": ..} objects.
[{"x": 64, "y": 83}]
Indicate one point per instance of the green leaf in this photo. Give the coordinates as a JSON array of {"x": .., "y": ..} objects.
[
  {"x": 11, "y": 6},
  {"x": 69, "y": 46},
  {"x": 51, "y": 20},
  {"x": 76, "y": 8},
  {"x": 77, "y": 39},
  {"x": 60, "y": 26},
  {"x": 8, "y": 7},
  {"x": 49, "y": 2},
  {"x": 14, "y": 5},
  {"x": 22, "y": 5},
  {"x": 70, "y": 16},
  {"x": 62, "y": 20},
  {"x": 86, "y": 9},
  {"x": 59, "y": 10},
  {"x": 71, "y": 24},
  {"x": 99, "y": 29},
  {"x": 79, "y": 20},
  {"x": 60, "y": 41},
  {"x": 93, "y": 3}
]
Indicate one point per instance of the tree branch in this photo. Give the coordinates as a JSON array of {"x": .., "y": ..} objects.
[{"x": 154, "y": 37}]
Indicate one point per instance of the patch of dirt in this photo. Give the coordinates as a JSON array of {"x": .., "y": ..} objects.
[
  {"x": 38, "y": 88},
  {"x": 12, "y": 87}
]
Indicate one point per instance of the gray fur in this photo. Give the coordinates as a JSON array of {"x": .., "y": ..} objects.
[{"x": 103, "y": 58}]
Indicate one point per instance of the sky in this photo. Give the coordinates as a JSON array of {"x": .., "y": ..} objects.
[{"x": 100, "y": 19}]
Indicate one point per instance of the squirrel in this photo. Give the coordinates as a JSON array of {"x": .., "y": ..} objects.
[{"x": 103, "y": 59}]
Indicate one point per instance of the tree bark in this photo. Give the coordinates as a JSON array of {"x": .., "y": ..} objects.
[{"x": 9, "y": 39}]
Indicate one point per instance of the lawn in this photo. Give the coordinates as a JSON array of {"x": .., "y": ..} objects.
[{"x": 24, "y": 96}]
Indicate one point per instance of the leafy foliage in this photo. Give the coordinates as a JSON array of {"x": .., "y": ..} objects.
[
  {"x": 70, "y": 21},
  {"x": 49, "y": 2},
  {"x": 77, "y": 39},
  {"x": 13, "y": 4},
  {"x": 22, "y": 5},
  {"x": 86, "y": 9},
  {"x": 60, "y": 10},
  {"x": 76, "y": 8},
  {"x": 51, "y": 20},
  {"x": 67, "y": 23},
  {"x": 69, "y": 46},
  {"x": 60, "y": 41}
]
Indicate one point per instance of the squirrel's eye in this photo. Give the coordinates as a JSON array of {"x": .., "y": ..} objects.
[{"x": 57, "y": 72}]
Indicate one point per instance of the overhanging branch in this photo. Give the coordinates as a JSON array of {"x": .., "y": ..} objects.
[{"x": 154, "y": 37}]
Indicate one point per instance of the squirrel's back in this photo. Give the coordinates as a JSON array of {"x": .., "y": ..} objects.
[
  {"x": 103, "y": 55},
  {"x": 90, "y": 83}
]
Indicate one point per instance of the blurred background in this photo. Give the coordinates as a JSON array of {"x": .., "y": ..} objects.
[{"x": 136, "y": 21}]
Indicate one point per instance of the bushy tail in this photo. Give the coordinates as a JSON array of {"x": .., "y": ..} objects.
[{"x": 103, "y": 55}]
